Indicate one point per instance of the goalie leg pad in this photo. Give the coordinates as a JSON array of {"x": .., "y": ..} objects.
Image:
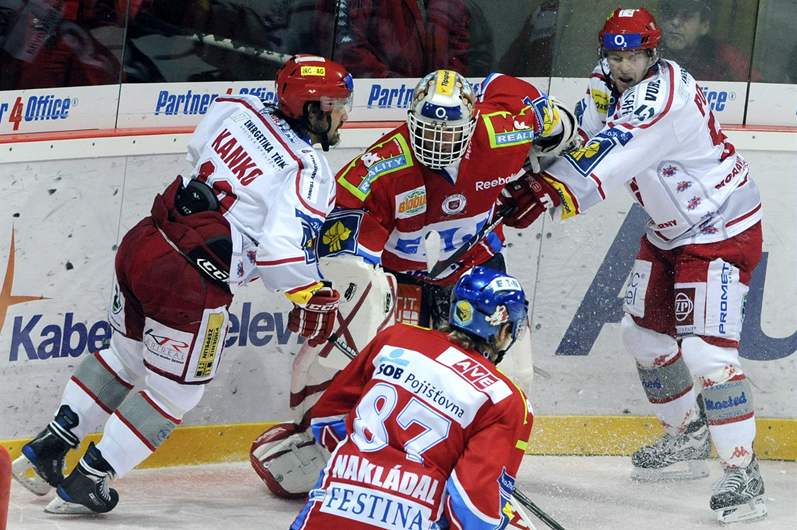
[
  {"x": 288, "y": 460},
  {"x": 367, "y": 305}
]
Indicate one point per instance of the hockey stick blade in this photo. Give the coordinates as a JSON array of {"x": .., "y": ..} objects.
[
  {"x": 527, "y": 503},
  {"x": 440, "y": 266},
  {"x": 211, "y": 40},
  {"x": 338, "y": 342}
]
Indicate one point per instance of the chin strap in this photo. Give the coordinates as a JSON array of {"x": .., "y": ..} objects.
[{"x": 322, "y": 135}]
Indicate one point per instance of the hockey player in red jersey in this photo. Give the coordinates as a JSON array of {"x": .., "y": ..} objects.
[
  {"x": 411, "y": 420},
  {"x": 255, "y": 200},
  {"x": 653, "y": 131},
  {"x": 436, "y": 177}
]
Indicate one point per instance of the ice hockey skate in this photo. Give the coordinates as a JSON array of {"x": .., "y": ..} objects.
[
  {"x": 679, "y": 457},
  {"x": 86, "y": 490},
  {"x": 739, "y": 495},
  {"x": 41, "y": 464}
]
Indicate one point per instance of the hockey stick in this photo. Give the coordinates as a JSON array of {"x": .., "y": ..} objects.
[
  {"x": 440, "y": 266},
  {"x": 227, "y": 44},
  {"x": 343, "y": 346},
  {"x": 533, "y": 508}
]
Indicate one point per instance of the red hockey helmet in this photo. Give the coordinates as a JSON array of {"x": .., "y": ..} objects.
[
  {"x": 306, "y": 78},
  {"x": 629, "y": 29}
]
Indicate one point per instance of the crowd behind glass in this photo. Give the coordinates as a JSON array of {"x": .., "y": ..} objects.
[{"x": 54, "y": 43}]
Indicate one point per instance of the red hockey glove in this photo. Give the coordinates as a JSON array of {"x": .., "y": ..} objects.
[
  {"x": 315, "y": 319},
  {"x": 529, "y": 196}
]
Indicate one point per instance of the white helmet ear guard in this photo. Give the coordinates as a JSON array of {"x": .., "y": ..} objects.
[{"x": 442, "y": 118}]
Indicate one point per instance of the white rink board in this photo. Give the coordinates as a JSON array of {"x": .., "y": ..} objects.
[
  {"x": 94, "y": 201},
  {"x": 58, "y": 109},
  {"x": 162, "y": 105}
]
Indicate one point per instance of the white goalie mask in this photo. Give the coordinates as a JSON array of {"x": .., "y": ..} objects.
[{"x": 441, "y": 118}]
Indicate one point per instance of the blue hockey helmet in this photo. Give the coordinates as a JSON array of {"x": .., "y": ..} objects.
[{"x": 483, "y": 300}]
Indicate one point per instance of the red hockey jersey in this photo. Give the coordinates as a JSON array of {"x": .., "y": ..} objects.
[
  {"x": 401, "y": 201},
  {"x": 429, "y": 430}
]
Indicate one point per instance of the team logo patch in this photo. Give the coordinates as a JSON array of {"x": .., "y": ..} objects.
[
  {"x": 339, "y": 233},
  {"x": 463, "y": 312},
  {"x": 693, "y": 203},
  {"x": 685, "y": 306},
  {"x": 411, "y": 203},
  {"x": 668, "y": 170},
  {"x": 584, "y": 159},
  {"x": 310, "y": 228},
  {"x": 499, "y": 316},
  {"x": 454, "y": 204},
  {"x": 335, "y": 236}
]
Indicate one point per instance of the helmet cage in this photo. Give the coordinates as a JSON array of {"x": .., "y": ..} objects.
[{"x": 441, "y": 119}]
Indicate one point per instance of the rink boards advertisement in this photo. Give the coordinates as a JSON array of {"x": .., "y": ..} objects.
[
  {"x": 65, "y": 219},
  {"x": 155, "y": 105}
]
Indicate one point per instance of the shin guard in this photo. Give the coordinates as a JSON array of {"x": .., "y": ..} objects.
[
  {"x": 134, "y": 432},
  {"x": 669, "y": 389},
  {"x": 731, "y": 420},
  {"x": 94, "y": 391}
]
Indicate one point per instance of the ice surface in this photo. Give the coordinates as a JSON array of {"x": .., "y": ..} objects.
[{"x": 590, "y": 493}]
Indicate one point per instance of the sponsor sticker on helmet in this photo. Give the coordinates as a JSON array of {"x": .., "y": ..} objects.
[
  {"x": 317, "y": 71},
  {"x": 446, "y": 80}
]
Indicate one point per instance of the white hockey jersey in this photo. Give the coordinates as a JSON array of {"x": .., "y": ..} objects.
[
  {"x": 662, "y": 141},
  {"x": 274, "y": 188}
]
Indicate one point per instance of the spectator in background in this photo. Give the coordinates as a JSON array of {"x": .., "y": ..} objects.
[
  {"x": 531, "y": 53},
  {"x": 791, "y": 72},
  {"x": 401, "y": 38},
  {"x": 686, "y": 26},
  {"x": 48, "y": 43}
]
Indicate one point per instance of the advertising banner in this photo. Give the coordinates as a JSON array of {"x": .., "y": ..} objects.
[{"x": 58, "y": 109}]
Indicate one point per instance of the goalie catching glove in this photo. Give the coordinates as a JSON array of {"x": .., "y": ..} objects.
[
  {"x": 565, "y": 135},
  {"x": 527, "y": 198},
  {"x": 314, "y": 311}
]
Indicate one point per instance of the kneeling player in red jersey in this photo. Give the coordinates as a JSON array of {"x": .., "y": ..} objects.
[{"x": 411, "y": 420}]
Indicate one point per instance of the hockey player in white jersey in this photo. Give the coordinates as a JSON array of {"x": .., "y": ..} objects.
[
  {"x": 252, "y": 207},
  {"x": 652, "y": 131}
]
